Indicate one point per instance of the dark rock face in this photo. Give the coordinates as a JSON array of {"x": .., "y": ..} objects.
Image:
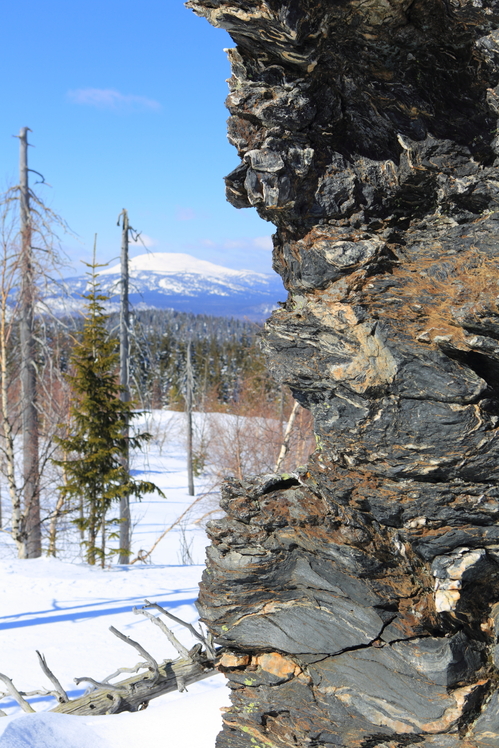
[{"x": 359, "y": 599}]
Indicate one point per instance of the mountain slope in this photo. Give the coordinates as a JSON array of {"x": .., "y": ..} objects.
[{"x": 182, "y": 282}]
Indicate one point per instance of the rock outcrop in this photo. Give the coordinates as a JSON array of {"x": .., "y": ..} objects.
[{"x": 359, "y": 598}]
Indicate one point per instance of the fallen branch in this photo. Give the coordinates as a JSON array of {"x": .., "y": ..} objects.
[
  {"x": 134, "y": 693},
  {"x": 120, "y": 670},
  {"x": 61, "y": 693},
  {"x": 205, "y": 640},
  {"x": 16, "y": 694},
  {"x": 153, "y": 665},
  {"x": 183, "y": 652}
]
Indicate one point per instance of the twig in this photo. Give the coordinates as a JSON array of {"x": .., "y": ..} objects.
[
  {"x": 142, "y": 555},
  {"x": 138, "y": 666},
  {"x": 44, "y": 692},
  {"x": 153, "y": 665},
  {"x": 183, "y": 652},
  {"x": 17, "y": 696},
  {"x": 209, "y": 649},
  {"x": 97, "y": 683},
  {"x": 206, "y": 514},
  {"x": 287, "y": 437},
  {"x": 61, "y": 693}
]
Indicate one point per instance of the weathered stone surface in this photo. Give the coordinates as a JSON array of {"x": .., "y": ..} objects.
[
  {"x": 486, "y": 728},
  {"x": 384, "y": 688},
  {"x": 330, "y": 625},
  {"x": 364, "y": 589},
  {"x": 443, "y": 661}
]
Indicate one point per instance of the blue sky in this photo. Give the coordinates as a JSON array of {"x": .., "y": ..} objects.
[{"x": 126, "y": 105}]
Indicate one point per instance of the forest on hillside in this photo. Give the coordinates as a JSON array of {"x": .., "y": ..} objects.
[{"x": 228, "y": 366}]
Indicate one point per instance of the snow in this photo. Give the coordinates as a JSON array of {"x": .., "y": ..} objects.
[
  {"x": 64, "y": 608},
  {"x": 178, "y": 281},
  {"x": 178, "y": 273},
  {"x": 178, "y": 262}
]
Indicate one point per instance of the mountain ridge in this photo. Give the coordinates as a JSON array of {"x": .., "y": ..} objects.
[{"x": 180, "y": 281}]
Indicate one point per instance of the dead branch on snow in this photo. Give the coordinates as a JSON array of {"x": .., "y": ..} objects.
[{"x": 133, "y": 693}]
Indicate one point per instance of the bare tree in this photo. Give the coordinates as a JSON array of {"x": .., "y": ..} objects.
[
  {"x": 28, "y": 258},
  {"x": 30, "y": 427},
  {"x": 188, "y": 409},
  {"x": 125, "y": 522}
]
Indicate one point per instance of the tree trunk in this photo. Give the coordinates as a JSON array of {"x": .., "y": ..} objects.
[
  {"x": 52, "y": 537},
  {"x": 92, "y": 530},
  {"x": 125, "y": 525},
  {"x": 363, "y": 590},
  {"x": 103, "y": 542},
  {"x": 188, "y": 410},
  {"x": 30, "y": 428}
]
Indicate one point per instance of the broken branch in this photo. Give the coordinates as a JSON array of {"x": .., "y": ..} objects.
[
  {"x": 62, "y": 696},
  {"x": 153, "y": 665},
  {"x": 183, "y": 652},
  {"x": 16, "y": 695},
  {"x": 209, "y": 648}
]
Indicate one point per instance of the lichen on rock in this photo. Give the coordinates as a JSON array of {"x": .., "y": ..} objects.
[{"x": 358, "y": 599}]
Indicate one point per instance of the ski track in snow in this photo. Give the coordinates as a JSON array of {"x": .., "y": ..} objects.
[{"x": 64, "y": 610}]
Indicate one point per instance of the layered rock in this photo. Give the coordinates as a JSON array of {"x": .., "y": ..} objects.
[{"x": 359, "y": 597}]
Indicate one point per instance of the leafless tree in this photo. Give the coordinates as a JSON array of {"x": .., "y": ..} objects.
[{"x": 29, "y": 260}]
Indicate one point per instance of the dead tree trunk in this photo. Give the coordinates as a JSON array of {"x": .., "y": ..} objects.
[
  {"x": 124, "y": 556},
  {"x": 133, "y": 693},
  {"x": 188, "y": 410},
  {"x": 30, "y": 426}
]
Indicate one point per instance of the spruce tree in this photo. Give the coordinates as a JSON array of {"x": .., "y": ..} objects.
[{"x": 96, "y": 441}]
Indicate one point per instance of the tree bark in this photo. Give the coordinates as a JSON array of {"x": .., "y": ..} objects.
[
  {"x": 188, "y": 410},
  {"x": 125, "y": 526},
  {"x": 134, "y": 693},
  {"x": 30, "y": 425}
]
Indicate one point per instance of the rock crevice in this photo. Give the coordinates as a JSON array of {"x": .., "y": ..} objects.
[{"x": 359, "y": 599}]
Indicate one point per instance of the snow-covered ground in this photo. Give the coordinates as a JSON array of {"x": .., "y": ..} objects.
[{"x": 64, "y": 609}]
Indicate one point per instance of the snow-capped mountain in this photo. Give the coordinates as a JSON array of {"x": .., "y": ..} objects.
[{"x": 184, "y": 283}]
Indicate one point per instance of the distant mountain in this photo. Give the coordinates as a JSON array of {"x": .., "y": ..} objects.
[{"x": 182, "y": 282}]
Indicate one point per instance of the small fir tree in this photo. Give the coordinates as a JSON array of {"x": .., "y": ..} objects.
[{"x": 95, "y": 444}]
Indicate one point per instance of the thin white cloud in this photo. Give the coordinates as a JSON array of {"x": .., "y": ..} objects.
[
  {"x": 109, "y": 98},
  {"x": 263, "y": 242}
]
